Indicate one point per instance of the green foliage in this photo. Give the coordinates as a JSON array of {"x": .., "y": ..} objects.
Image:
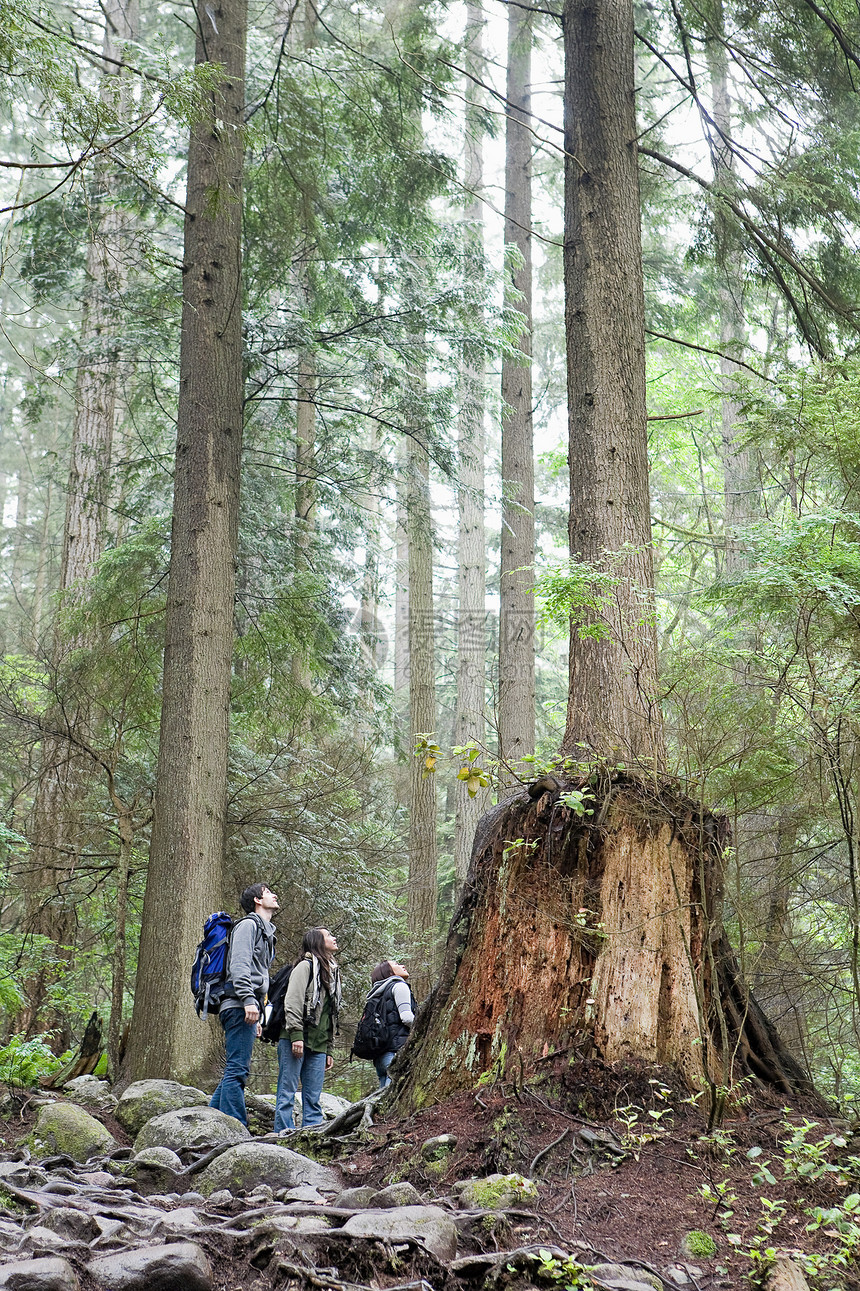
[
  {"x": 22, "y": 1061},
  {"x": 568, "y": 1273}
]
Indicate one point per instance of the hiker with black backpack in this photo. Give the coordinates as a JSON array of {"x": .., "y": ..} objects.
[
  {"x": 311, "y": 1007},
  {"x": 386, "y": 1021},
  {"x": 252, "y": 949}
]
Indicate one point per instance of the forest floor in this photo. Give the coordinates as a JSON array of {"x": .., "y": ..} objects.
[{"x": 625, "y": 1171}]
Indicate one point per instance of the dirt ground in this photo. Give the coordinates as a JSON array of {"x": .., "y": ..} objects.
[{"x": 625, "y": 1169}]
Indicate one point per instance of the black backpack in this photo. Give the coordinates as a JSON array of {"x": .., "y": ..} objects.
[
  {"x": 373, "y": 1033},
  {"x": 274, "y": 1022}
]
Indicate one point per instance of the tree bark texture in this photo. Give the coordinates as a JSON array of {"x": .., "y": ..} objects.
[
  {"x": 55, "y": 826},
  {"x": 612, "y": 706},
  {"x": 599, "y": 937},
  {"x": 741, "y": 485},
  {"x": 470, "y": 724},
  {"x": 184, "y": 880},
  {"x": 516, "y": 695},
  {"x": 421, "y": 901}
]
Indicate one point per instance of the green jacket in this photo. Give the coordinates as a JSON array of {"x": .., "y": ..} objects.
[{"x": 310, "y": 1010}]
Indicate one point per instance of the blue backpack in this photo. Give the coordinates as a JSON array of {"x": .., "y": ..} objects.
[{"x": 209, "y": 979}]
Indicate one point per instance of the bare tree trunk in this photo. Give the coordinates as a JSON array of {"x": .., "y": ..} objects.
[
  {"x": 306, "y": 489},
  {"x": 185, "y": 876},
  {"x": 516, "y": 699},
  {"x": 421, "y": 906},
  {"x": 401, "y": 574},
  {"x": 612, "y": 704},
  {"x": 470, "y": 725},
  {"x": 741, "y": 486},
  {"x": 55, "y": 820}
]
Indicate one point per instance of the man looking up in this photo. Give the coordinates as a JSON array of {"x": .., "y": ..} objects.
[{"x": 252, "y": 949}]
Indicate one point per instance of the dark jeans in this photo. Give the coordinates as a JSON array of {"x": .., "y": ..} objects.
[{"x": 229, "y": 1097}]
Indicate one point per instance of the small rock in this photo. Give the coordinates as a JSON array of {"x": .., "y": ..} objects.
[
  {"x": 22, "y": 1175},
  {"x": 179, "y": 1266},
  {"x": 622, "y": 1277},
  {"x": 181, "y": 1222},
  {"x": 262, "y": 1195},
  {"x": 191, "y": 1198},
  {"x": 305, "y": 1193},
  {"x": 496, "y": 1192},
  {"x": 75, "y": 1225},
  {"x": 39, "y": 1240},
  {"x": 95, "y": 1094},
  {"x": 355, "y": 1198},
  {"x": 77, "y": 1081},
  {"x": 98, "y": 1179},
  {"x": 435, "y": 1148},
  {"x": 157, "y": 1156},
  {"x": 223, "y": 1197},
  {"x": 396, "y": 1194},
  {"x": 677, "y": 1275},
  {"x": 50, "y": 1274},
  {"x": 786, "y": 1276}
]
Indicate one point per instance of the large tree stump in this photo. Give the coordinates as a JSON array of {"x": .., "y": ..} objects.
[{"x": 602, "y": 931}]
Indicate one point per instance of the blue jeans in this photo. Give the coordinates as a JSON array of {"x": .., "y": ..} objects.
[
  {"x": 382, "y": 1063},
  {"x": 229, "y": 1096},
  {"x": 310, "y": 1070}
]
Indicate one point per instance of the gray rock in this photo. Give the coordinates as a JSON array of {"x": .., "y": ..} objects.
[
  {"x": 179, "y": 1266},
  {"x": 242, "y": 1168},
  {"x": 181, "y": 1222},
  {"x": 63, "y": 1127},
  {"x": 437, "y": 1148},
  {"x": 43, "y": 1241},
  {"x": 304, "y": 1193},
  {"x": 78, "y": 1081},
  {"x": 262, "y": 1195},
  {"x": 295, "y": 1225},
  {"x": 22, "y": 1175},
  {"x": 496, "y": 1192},
  {"x": 75, "y": 1225},
  {"x": 222, "y": 1197},
  {"x": 157, "y": 1156},
  {"x": 332, "y": 1105},
  {"x": 355, "y": 1198},
  {"x": 147, "y": 1098},
  {"x": 95, "y": 1094},
  {"x": 429, "y": 1226},
  {"x": 190, "y": 1198},
  {"x": 622, "y": 1277},
  {"x": 50, "y": 1274},
  {"x": 190, "y": 1127},
  {"x": 396, "y": 1194}
]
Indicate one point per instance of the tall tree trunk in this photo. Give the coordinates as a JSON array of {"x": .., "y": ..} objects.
[
  {"x": 612, "y": 706},
  {"x": 599, "y": 934},
  {"x": 470, "y": 725},
  {"x": 740, "y": 480},
  {"x": 306, "y": 490},
  {"x": 516, "y": 699},
  {"x": 401, "y": 576},
  {"x": 55, "y": 820},
  {"x": 421, "y": 901},
  {"x": 184, "y": 880}
]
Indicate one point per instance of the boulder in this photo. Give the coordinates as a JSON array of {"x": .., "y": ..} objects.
[
  {"x": 49, "y": 1274},
  {"x": 164, "y": 1157},
  {"x": 179, "y": 1266},
  {"x": 240, "y": 1169},
  {"x": 63, "y": 1127},
  {"x": 93, "y": 1093},
  {"x": 786, "y": 1276},
  {"x": 304, "y": 1193},
  {"x": 429, "y": 1226},
  {"x": 396, "y": 1194},
  {"x": 181, "y": 1222},
  {"x": 147, "y": 1098},
  {"x": 332, "y": 1105},
  {"x": 190, "y": 1127}
]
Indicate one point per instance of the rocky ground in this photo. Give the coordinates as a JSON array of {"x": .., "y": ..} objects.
[{"x": 581, "y": 1178}]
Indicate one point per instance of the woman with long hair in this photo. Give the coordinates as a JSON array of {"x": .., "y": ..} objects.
[{"x": 311, "y": 1008}]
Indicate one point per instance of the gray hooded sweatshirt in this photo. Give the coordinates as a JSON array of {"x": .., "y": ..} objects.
[{"x": 252, "y": 949}]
